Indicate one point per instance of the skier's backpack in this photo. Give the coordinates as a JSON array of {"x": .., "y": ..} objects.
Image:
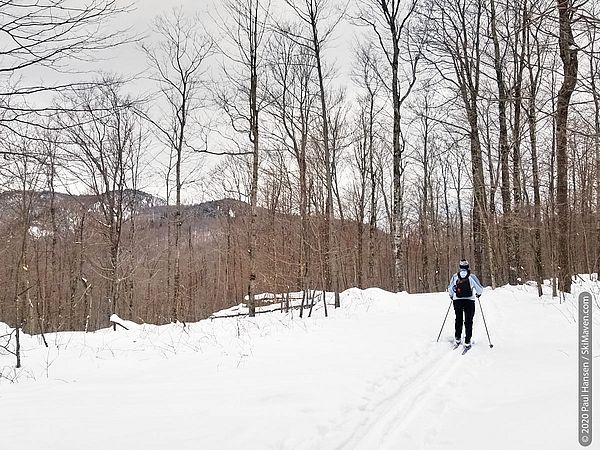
[{"x": 463, "y": 287}]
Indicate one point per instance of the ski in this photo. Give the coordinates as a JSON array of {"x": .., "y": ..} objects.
[
  {"x": 455, "y": 346},
  {"x": 466, "y": 349}
]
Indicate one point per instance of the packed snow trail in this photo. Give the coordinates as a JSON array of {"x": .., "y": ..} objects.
[
  {"x": 397, "y": 400},
  {"x": 370, "y": 376}
]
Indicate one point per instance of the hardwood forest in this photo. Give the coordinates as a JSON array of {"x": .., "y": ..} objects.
[{"x": 462, "y": 128}]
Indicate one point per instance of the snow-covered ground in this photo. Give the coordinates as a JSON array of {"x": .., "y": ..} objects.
[{"x": 370, "y": 376}]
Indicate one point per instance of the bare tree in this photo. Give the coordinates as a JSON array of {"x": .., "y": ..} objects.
[
  {"x": 48, "y": 34},
  {"x": 455, "y": 49},
  {"x": 594, "y": 67},
  {"x": 177, "y": 62},
  {"x": 535, "y": 65},
  {"x": 24, "y": 172},
  {"x": 568, "y": 55},
  {"x": 246, "y": 30},
  {"x": 291, "y": 103},
  {"x": 105, "y": 149},
  {"x": 320, "y": 22},
  {"x": 367, "y": 78},
  {"x": 499, "y": 67},
  {"x": 389, "y": 21}
]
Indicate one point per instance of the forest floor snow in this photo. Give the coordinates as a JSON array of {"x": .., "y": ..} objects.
[{"x": 370, "y": 376}]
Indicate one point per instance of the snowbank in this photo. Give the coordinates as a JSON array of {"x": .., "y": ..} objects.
[{"x": 370, "y": 376}]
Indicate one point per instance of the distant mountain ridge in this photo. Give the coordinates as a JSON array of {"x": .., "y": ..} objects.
[{"x": 67, "y": 206}]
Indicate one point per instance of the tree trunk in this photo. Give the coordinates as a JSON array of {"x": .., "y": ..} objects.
[
  {"x": 479, "y": 203},
  {"x": 254, "y": 122},
  {"x": 519, "y": 61},
  {"x": 568, "y": 55},
  {"x": 594, "y": 73},
  {"x": 532, "y": 122},
  {"x": 330, "y": 264},
  {"x": 373, "y": 207},
  {"x": 504, "y": 153},
  {"x": 397, "y": 179},
  {"x": 424, "y": 222},
  {"x": 177, "y": 218}
]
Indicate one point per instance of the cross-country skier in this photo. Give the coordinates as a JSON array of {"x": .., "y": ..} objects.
[{"x": 463, "y": 288}]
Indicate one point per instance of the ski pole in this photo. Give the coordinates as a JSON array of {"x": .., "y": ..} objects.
[
  {"x": 438, "y": 339},
  {"x": 486, "y": 328}
]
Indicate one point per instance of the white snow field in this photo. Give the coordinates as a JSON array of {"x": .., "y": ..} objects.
[{"x": 370, "y": 376}]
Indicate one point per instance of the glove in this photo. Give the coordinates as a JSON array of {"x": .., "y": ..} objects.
[{"x": 478, "y": 295}]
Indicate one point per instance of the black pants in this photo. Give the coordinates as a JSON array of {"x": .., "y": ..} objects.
[{"x": 467, "y": 307}]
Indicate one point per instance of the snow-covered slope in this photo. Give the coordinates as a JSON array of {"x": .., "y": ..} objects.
[{"x": 370, "y": 376}]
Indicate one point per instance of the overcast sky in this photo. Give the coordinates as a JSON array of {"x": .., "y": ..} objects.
[
  {"x": 128, "y": 60},
  {"x": 144, "y": 12}
]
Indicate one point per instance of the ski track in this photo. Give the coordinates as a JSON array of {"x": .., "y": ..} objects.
[
  {"x": 383, "y": 420},
  {"x": 396, "y": 400}
]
